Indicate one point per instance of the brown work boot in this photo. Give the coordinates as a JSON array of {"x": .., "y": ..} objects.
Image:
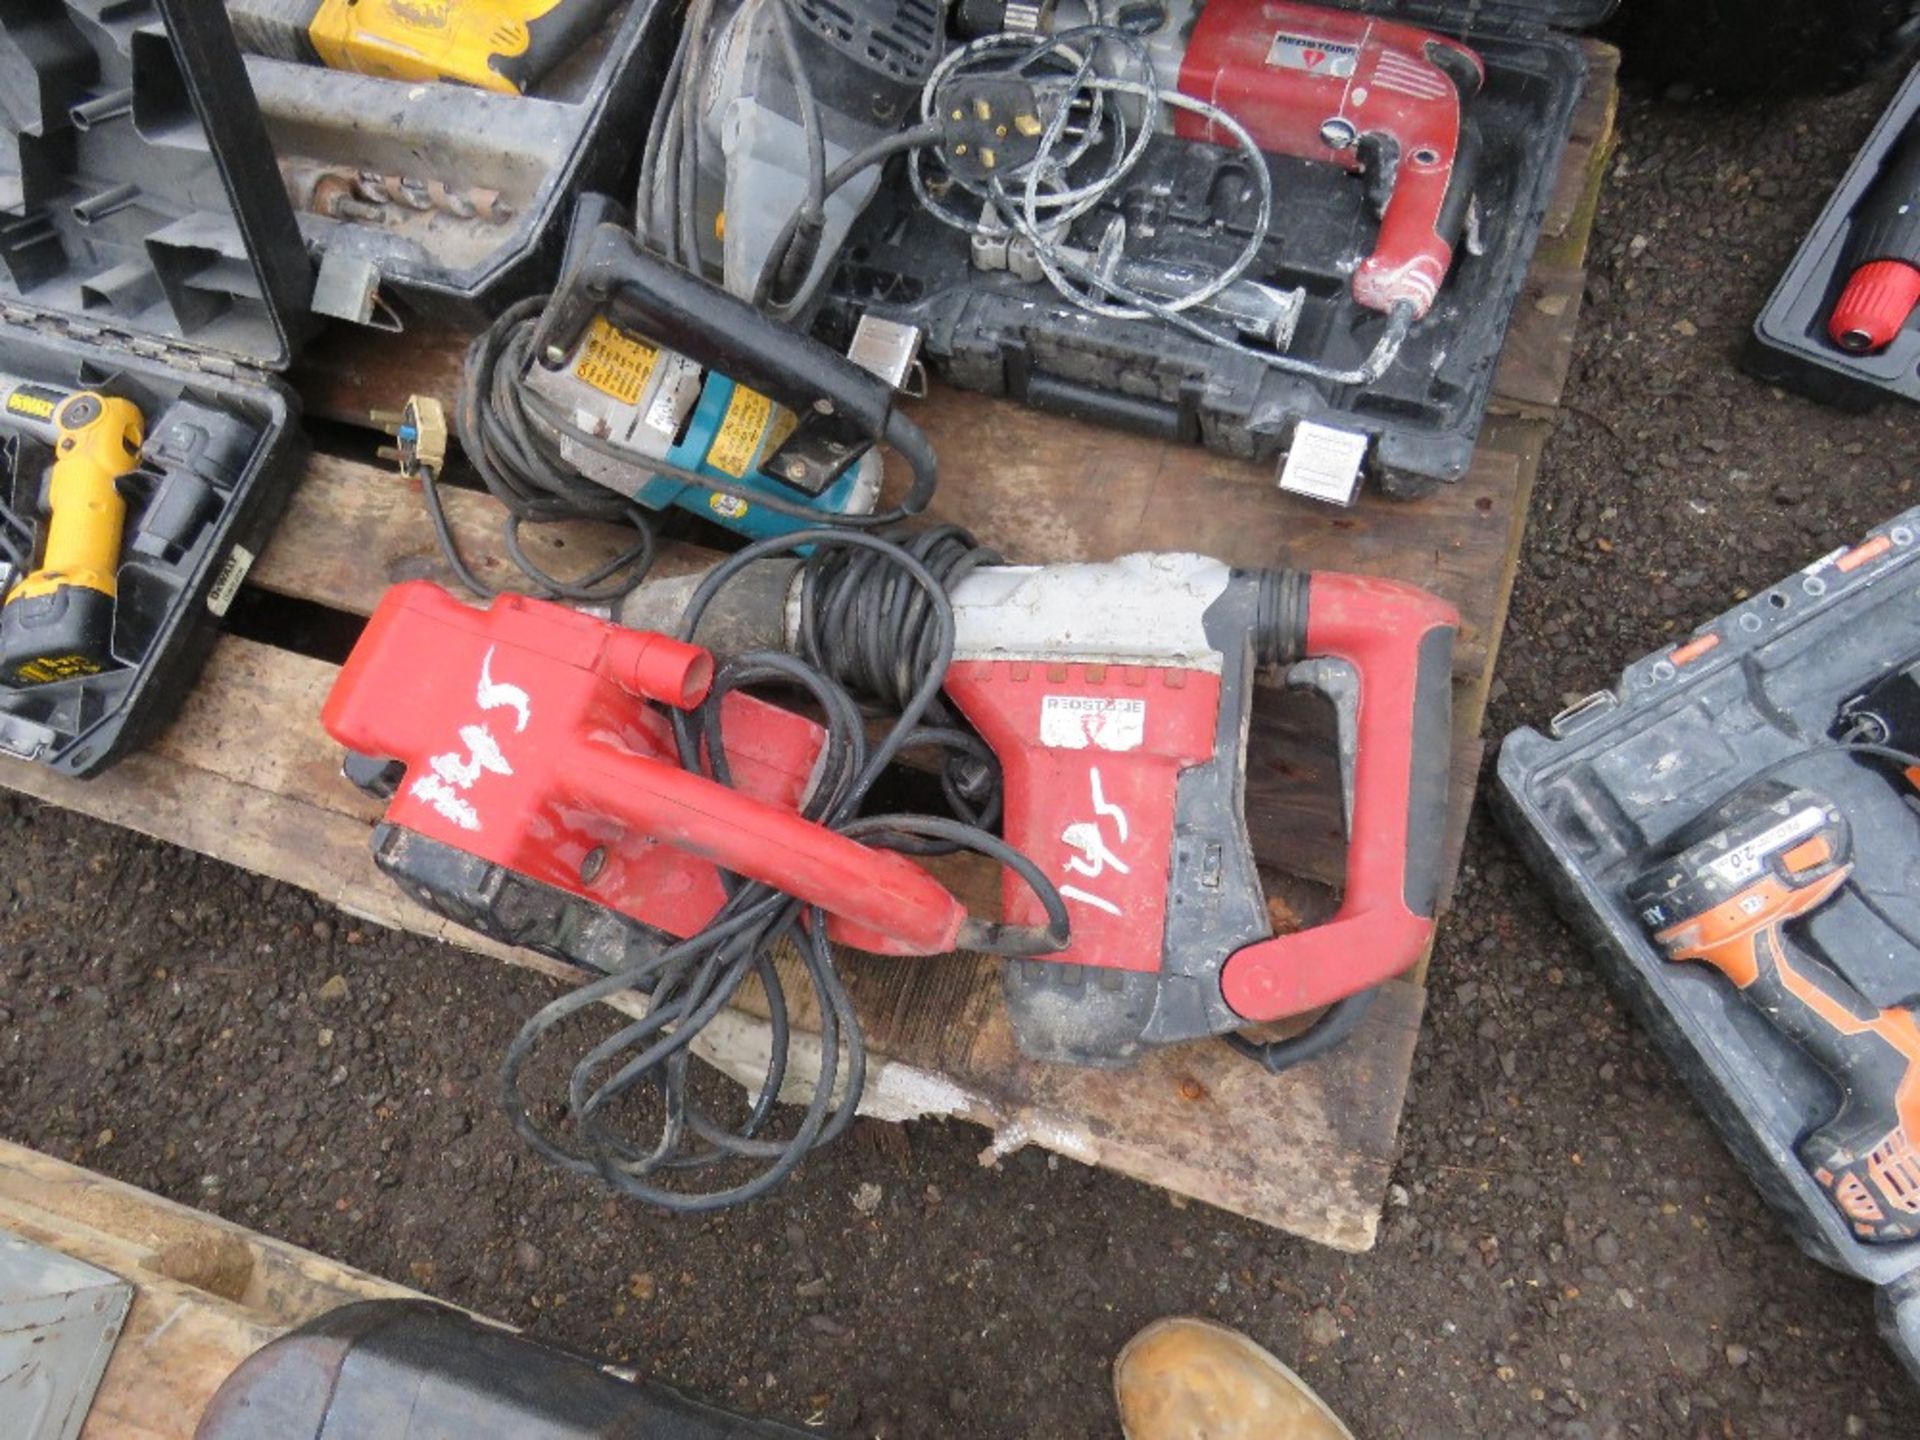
[{"x": 1185, "y": 1379}]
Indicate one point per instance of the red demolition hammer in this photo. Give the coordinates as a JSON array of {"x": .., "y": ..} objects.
[
  {"x": 1116, "y": 698},
  {"x": 1385, "y": 100}
]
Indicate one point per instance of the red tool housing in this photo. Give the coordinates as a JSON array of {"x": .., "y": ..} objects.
[
  {"x": 1116, "y": 698},
  {"x": 528, "y": 741},
  {"x": 1358, "y": 92}
]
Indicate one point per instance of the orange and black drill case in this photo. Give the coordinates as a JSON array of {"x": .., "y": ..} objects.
[{"x": 1758, "y": 700}]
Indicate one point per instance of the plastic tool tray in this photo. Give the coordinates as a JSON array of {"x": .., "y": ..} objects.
[
  {"x": 145, "y": 254},
  {"x": 993, "y": 332},
  {"x": 1601, "y": 797},
  {"x": 1790, "y": 345},
  {"x": 450, "y": 200}
]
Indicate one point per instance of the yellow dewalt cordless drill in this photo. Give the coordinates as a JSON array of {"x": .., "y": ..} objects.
[
  {"x": 501, "y": 45},
  {"x": 57, "y": 621}
]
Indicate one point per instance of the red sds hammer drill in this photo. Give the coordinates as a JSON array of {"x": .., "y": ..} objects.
[
  {"x": 1744, "y": 872},
  {"x": 1116, "y": 697},
  {"x": 1381, "y": 99}
]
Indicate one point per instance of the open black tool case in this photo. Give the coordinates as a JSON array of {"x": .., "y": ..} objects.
[
  {"x": 1603, "y": 794},
  {"x": 148, "y": 253},
  {"x": 993, "y": 332},
  {"x": 446, "y": 202},
  {"x": 1790, "y": 345}
]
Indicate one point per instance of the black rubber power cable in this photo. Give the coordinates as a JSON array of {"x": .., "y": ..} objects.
[
  {"x": 689, "y": 982},
  {"x": 526, "y": 472},
  {"x": 866, "y": 623}
]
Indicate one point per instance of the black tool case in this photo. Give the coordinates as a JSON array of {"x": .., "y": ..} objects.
[
  {"x": 1790, "y": 346},
  {"x": 146, "y": 252},
  {"x": 450, "y": 202},
  {"x": 991, "y": 331},
  {"x": 1601, "y": 796}
]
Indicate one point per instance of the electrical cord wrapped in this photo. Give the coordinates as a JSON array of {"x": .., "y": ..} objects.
[
  {"x": 689, "y": 982},
  {"x": 1086, "y": 150},
  {"x": 513, "y": 435},
  {"x": 866, "y": 622},
  {"x": 524, "y": 470}
]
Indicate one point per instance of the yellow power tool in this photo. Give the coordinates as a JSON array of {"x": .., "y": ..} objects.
[
  {"x": 501, "y": 45},
  {"x": 57, "y": 621}
]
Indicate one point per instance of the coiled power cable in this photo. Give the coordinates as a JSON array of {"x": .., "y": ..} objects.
[
  {"x": 1086, "y": 150},
  {"x": 690, "y": 981}
]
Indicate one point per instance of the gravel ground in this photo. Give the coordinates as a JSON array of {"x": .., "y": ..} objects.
[{"x": 1568, "y": 1250}]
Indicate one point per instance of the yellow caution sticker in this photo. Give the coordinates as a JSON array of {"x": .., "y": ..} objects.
[
  {"x": 738, "y": 440},
  {"x": 614, "y": 363},
  {"x": 727, "y": 507}
]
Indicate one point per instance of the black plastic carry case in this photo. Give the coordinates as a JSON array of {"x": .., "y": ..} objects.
[
  {"x": 445, "y": 202},
  {"x": 992, "y": 332},
  {"x": 1603, "y": 793},
  {"x": 1790, "y": 346},
  {"x": 147, "y": 252}
]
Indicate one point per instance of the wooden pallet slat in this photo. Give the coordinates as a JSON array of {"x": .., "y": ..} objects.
[
  {"x": 207, "y": 1293},
  {"x": 248, "y": 776}
]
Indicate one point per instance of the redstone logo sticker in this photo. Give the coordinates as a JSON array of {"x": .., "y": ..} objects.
[{"x": 1092, "y": 722}]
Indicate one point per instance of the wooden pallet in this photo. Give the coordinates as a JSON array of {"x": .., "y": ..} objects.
[
  {"x": 207, "y": 1293},
  {"x": 247, "y": 775}
]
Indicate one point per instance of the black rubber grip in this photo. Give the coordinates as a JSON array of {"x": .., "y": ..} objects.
[
  {"x": 679, "y": 310},
  {"x": 550, "y": 39},
  {"x": 1887, "y": 222}
]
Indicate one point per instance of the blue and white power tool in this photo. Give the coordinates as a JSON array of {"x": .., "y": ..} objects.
[
  {"x": 642, "y": 404},
  {"x": 662, "y": 386}
]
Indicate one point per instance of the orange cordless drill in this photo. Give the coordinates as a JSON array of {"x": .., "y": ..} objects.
[{"x": 1767, "y": 858}]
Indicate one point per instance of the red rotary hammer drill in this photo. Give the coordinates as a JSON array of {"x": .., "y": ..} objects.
[
  {"x": 1116, "y": 698},
  {"x": 1380, "y": 99}
]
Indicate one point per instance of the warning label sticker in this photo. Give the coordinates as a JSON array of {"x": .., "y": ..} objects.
[
  {"x": 226, "y": 584},
  {"x": 738, "y": 440},
  {"x": 614, "y": 363},
  {"x": 1092, "y": 722},
  {"x": 1316, "y": 57},
  {"x": 1324, "y": 463},
  {"x": 675, "y": 396}
]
